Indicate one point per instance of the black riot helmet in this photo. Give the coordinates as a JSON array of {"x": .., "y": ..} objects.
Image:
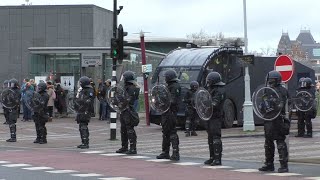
[
  {"x": 170, "y": 76},
  {"x": 13, "y": 83},
  {"x": 194, "y": 85},
  {"x": 84, "y": 81},
  {"x": 214, "y": 79},
  {"x": 128, "y": 77},
  {"x": 273, "y": 79},
  {"x": 42, "y": 86},
  {"x": 307, "y": 82}
]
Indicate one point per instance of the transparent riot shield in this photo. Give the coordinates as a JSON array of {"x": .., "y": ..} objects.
[
  {"x": 266, "y": 103},
  {"x": 34, "y": 101},
  {"x": 160, "y": 98},
  {"x": 304, "y": 101},
  {"x": 203, "y": 104},
  {"x": 9, "y": 99},
  {"x": 118, "y": 98}
]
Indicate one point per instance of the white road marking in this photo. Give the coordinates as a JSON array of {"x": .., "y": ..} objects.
[
  {"x": 217, "y": 167},
  {"x": 4, "y": 162},
  {"x": 113, "y": 154},
  {"x": 61, "y": 171},
  {"x": 187, "y": 163},
  {"x": 158, "y": 160},
  {"x": 93, "y": 152},
  {"x": 313, "y": 178},
  {"x": 136, "y": 157},
  {"x": 16, "y": 165},
  {"x": 117, "y": 178},
  {"x": 38, "y": 168},
  {"x": 283, "y": 174},
  {"x": 87, "y": 175},
  {"x": 246, "y": 170}
]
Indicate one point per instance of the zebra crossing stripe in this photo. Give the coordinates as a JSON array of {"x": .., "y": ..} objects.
[
  {"x": 87, "y": 175},
  {"x": 136, "y": 157},
  {"x": 4, "y": 162},
  {"x": 313, "y": 178},
  {"x": 16, "y": 165},
  {"x": 158, "y": 160},
  {"x": 92, "y": 152},
  {"x": 283, "y": 174},
  {"x": 61, "y": 171},
  {"x": 113, "y": 154},
  {"x": 187, "y": 163},
  {"x": 217, "y": 167},
  {"x": 246, "y": 170},
  {"x": 117, "y": 178},
  {"x": 38, "y": 168}
]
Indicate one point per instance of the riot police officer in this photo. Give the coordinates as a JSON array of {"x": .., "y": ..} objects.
[
  {"x": 83, "y": 104},
  {"x": 304, "y": 118},
  {"x": 215, "y": 86},
  {"x": 169, "y": 118},
  {"x": 129, "y": 117},
  {"x": 13, "y": 112},
  {"x": 40, "y": 115},
  {"x": 191, "y": 114},
  {"x": 5, "y": 110},
  {"x": 278, "y": 128}
]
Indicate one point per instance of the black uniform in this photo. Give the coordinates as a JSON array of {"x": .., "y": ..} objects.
[
  {"x": 129, "y": 118},
  {"x": 216, "y": 89},
  {"x": 84, "y": 101},
  {"x": 13, "y": 112},
  {"x": 191, "y": 113},
  {"x": 5, "y": 110},
  {"x": 40, "y": 115},
  {"x": 304, "y": 117},
  {"x": 169, "y": 118},
  {"x": 276, "y": 129}
]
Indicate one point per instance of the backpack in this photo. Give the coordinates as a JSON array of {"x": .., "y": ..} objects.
[{"x": 54, "y": 96}]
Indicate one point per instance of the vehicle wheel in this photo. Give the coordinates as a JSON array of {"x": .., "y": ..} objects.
[{"x": 229, "y": 113}]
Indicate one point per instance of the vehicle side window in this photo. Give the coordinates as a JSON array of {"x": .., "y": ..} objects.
[{"x": 233, "y": 70}]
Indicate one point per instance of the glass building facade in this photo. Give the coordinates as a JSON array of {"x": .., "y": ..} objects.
[{"x": 67, "y": 61}]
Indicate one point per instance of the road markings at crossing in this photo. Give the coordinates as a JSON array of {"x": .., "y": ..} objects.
[
  {"x": 217, "y": 167},
  {"x": 137, "y": 157},
  {"x": 62, "y": 171},
  {"x": 93, "y": 152},
  {"x": 187, "y": 163},
  {"x": 283, "y": 174},
  {"x": 37, "y": 168},
  {"x": 16, "y": 165},
  {"x": 246, "y": 170},
  {"x": 87, "y": 175},
  {"x": 113, "y": 154},
  {"x": 158, "y": 160}
]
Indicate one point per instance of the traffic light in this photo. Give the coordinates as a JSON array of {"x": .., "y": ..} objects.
[
  {"x": 121, "y": 43},
  {"x": 114, "y": 48}
]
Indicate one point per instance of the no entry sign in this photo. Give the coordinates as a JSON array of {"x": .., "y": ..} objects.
[{"x": 285, "y": 66}]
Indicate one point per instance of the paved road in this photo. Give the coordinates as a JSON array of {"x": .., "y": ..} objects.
[{"x": 240, "y": 152}]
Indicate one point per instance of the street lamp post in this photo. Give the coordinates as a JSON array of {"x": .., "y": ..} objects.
[{"x": 248, "y": 122}]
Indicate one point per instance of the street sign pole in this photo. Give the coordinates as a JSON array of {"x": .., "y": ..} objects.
[
  {"x": 145, "y": 78},
  {"x": 285, "y": 66}
]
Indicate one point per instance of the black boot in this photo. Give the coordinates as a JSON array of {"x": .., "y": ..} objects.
[
  {"x": 164, "y": 155},
  {"x": 188, "y": 133},
  {"x": 193, "y": 133},
  {"x": 123, "y": 149},
  {"x": 165, "y": 148},
  {"x": 133, "y": 141},
  {"x": 283, "y": 156},
  {"x": 43, "y": 137},
  {"x": 283, "y": 167},
  {"x": 209, "y": 161},
  {"x": 13, "y": 137},
  {"x": 267, "y": 167},
  {"x": 175, "y": 155},
  {"x": 308, "y": 135},
  {"x": 174, "y": 138},
  {"x": 269, "y": 153},
  {"x": 217, "y": 152},
  {"x": 84, "y": 132},
  {"x": 37, "y": 140}
]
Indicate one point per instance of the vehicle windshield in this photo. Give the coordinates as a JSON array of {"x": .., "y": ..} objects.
[{"x": 185, "y": 74}]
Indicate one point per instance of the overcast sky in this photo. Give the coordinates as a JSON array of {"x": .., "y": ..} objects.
[{"x": 177, "y": 18}]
